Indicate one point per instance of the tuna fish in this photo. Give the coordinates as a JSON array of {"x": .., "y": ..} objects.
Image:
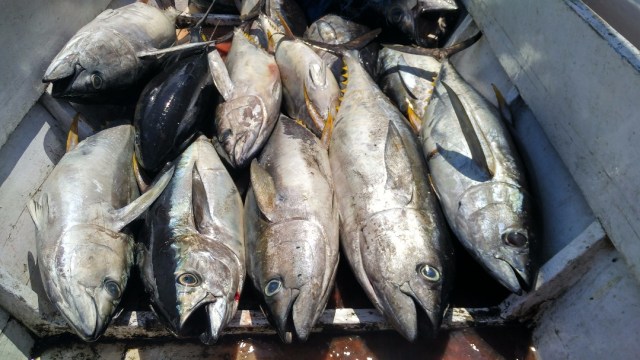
[
  {"x": 333, "y": 29},
  {"x": 391, "y": 227},
  {"x": 102, "y": 57},
  {"x": 81, "y": 213},
  {"x": 479, "y": 179},
  {"x": 170, "y": 110},
  {"x": 310, "y": 92},
  {"x": 251, "y": 88},
  {"x": 292, "y": 229},
  {"x": 192, "y": 262}
]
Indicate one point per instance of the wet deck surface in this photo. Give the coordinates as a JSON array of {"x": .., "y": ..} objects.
[{"x": 501, "y": 343}]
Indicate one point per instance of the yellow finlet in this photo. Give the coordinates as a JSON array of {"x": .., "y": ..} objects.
[
  {"x": 143, "y": 184},
  {"x": 72, "y": 138}
]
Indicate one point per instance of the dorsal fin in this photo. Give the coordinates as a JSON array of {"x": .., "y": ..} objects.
[
  {"x": 470, "y": 135},
  {"x": 264, "y": 190},
  {"x": 399, "y": 172}
]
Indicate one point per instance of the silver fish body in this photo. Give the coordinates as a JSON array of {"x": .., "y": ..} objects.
[
  {"x": 192, "y": 262},
  {"x": 488, "y": 210},
  {"x": 84, "y": 250},
  {"x": 250, "y": 85},
  {"x": 407, "y": 79},
  {"x": 310, "y": 91},
  {"x": 333, "y": 29},
  {"x": 101, "y": 57},
  {"x": 391, "y": 228},
  {"x": 292, "y": 229}
]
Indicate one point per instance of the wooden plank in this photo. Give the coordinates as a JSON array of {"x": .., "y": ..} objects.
[
  {"x": 558, "y": 274},
  {"x": 581, "y": 80}
]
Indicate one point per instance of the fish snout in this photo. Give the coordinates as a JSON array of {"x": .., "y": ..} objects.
[
  {"x": 218, "y": 313},
  {"x": 61, "y": 68},
  {"x": 239, "y": 123},
  {"x": 82, "y": 315},
  {"x": 280, "y": 310},
  {"x": 306, "y": 309}
]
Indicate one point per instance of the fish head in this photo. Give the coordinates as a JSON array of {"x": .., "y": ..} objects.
[
  {"x": 89, "y": 276},
  {"x": 495, "y": 221},
  {"x": 92, "y": 64},
  {"x": 402, "y": 17},
  {"x": 291, "y": 276},
  {"x": 239, "y": 123},
  {"x": 196, "y": 286},
  {"x": 408, "y": 261}
]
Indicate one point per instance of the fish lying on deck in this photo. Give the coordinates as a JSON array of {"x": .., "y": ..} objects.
[
  {"x": 102, "y": 57},
  {"x": 84, "y": 249},
  {"x": 479, "y": 179},
  {"x": 250, "y": 84},
  {"x": 391, "y": 228},
  {"x": 171, "y": 109},
  {"x": 292, "y": 229},
  {"x": 192, "y": 260}
]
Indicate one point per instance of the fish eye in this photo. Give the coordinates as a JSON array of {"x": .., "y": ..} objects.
[
  {"x": 96, "y": 80},
  {"x": 188, "y": 279},
  {"x": 273, "y": 287},
  {"x": 112, "y": 288},
  {"x": 429, "y": 272},
  {"x": 514, "y": 238},
  {"x": 396, "y": 15}
]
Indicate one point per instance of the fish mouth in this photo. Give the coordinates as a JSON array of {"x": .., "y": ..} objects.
[
  {"x": 294, "y": 317},
  {"x": 205, "y": 321},
  {"x": 62, "y": 86},
  {"x": 516, "y": 279},
  {"x": 80, "y": 320},
  {"x": 410, "y": 314}
]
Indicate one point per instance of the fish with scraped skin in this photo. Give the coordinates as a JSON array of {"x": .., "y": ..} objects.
[
  {"x": 102, "y": 57},
  {"x": 192, "y": 259},
  {"x": 333, "y": 29},
  {"x": 170, "y": 110},
  {"x": 310, "y": 92},
  {"x": 249, "y": 82},
  {"x": 292, "y": 229},
  {"x": 479, "y": 179},
  {"x": 391, "y": 227},
  {"x": 84, "y": 249}
]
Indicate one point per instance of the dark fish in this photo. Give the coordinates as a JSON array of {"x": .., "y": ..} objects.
[
  {"x": 171, "y": 109},
  {"x": 192, "y": 262},
  {"x": 292, "y": 228},
  {"x": 81, "y": 213},
  {"x": 479, "y": 179},
  {"x": 102, "y": 57}
]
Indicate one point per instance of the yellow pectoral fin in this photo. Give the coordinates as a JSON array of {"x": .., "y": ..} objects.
[{"x": 414, "y": 119}]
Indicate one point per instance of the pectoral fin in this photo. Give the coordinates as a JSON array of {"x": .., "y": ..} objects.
[
  {"x": 220, "y": 74},
  {"x": 72, "y": 138},
  {"x": 264, "y": 189},
  {"x": 470, "y": 135},
  {"x": 123, "y": 216},
  {"x": 200, "y": 204},
  {"x": 399, "y": 171},
  {"x": 39, "y": 211}
]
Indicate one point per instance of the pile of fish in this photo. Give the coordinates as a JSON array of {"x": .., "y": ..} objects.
[{"x": 348, "y": 149}]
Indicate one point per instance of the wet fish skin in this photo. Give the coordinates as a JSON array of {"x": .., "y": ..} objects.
[
  {"x": 333, "y": 29},
  {"x": 292, "y": 229},
  {"x": 171, "y": 109},
  {"x": 193, "y": 258},
  {"x": 407, "y": 79},
  {"x": 391, "y": 228},
  {"x": 310, "y": 92},
  {"x": 486, "y": 208},
  {"x": 249, "y": 82},
  {"x": 84, "y": 250},
  {"x": 101, "y": 57}
]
